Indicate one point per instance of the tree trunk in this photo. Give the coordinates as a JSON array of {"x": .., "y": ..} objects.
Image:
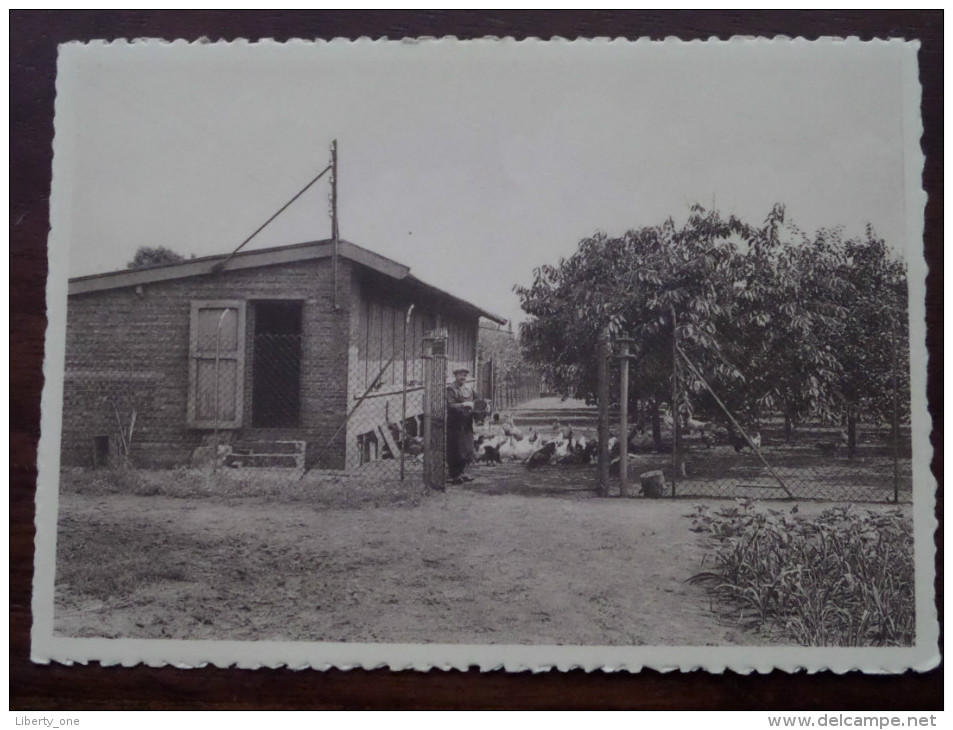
[{"x": 851, "y": 432}]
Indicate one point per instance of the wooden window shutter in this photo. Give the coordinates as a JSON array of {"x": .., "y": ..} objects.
[{"x": 216, "y": 364}]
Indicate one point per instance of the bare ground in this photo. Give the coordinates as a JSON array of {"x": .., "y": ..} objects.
[{"x": 512, "y": 558}]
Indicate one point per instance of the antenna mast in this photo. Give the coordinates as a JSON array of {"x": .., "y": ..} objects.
[{"x": 334, "y": 217}]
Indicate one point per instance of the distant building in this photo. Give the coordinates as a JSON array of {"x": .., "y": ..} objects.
[{"x": 256, "y": 352}]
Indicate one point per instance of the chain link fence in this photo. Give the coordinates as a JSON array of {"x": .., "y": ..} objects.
[
  {"x": 231, "y": 397},
  {"x": 702, "y": 447},
  {"x": 507, "y": 390},
  {"x": 385, "y": 434},
  {"x": 814, "y": 464},
  {"x": 230, "y": 393}
]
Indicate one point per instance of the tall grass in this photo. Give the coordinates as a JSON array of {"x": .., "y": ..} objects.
[{"x": 843, "y": 578}]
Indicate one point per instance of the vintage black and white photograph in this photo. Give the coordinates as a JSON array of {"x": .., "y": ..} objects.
[{"x": 445, "y": 353}]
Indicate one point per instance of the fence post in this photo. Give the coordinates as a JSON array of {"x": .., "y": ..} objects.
[
  {"x": 896, "y": 417},
  {"x": 403, "y": 397},
  {"x": 674, "y": 408},
  {"x": 624, "y": 416},
  {"x": 494, "y": 405},
  {"x": 435, "y": 408},
  {"x": 602, "y": 353}
]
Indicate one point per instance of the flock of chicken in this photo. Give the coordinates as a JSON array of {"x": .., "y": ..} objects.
[{"x": 559, "y": 446}]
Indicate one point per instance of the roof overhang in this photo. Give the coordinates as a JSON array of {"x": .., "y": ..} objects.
[
  {"x": 213, "y": 265},
  {"x": 457, "y": 300}
]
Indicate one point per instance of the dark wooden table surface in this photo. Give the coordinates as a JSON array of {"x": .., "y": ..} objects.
[{"x": 34, "y": 36}]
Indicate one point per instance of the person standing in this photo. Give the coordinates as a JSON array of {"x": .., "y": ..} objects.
[{"x": 460, "y": 451}]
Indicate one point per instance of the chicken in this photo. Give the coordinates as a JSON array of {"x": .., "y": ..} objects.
[
  {"x": 524, "y": 449},
  {"x": 590, "y": 452},
  {"x": 510, "y": 429},
  {"x": 508, "y": 449},
  {"x": 701, "y": 429},
  {"x": 739, "y": 442},
  {"x": 541, "y": 456},
  {"x": 490, "y": 454},
  {"x": 576, "y": 454},
  {"x": 415, "y": 447}
]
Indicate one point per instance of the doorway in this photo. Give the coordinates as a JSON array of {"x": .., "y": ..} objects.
[{"x": 276, "y": 368}]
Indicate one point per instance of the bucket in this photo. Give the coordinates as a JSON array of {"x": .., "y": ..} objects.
[{"x": 653, "y": 484}]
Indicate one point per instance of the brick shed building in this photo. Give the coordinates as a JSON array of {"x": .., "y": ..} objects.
[{"x": 252, "y": 348}]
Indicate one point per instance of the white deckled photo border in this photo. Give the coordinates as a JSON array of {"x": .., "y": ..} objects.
[{"x": 47, "y": 646}]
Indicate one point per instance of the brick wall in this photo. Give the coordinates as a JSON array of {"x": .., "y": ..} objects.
[{"x": 130, "y": 350}]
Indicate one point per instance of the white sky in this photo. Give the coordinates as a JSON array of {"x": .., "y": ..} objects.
[{"x": 471, "y": 163}]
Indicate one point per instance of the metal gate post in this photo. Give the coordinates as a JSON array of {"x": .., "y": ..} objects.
[
  {"x": 603, "y": 354},
  {"x": 435, "y": 408},
  {"x": 403, "y": 397}
]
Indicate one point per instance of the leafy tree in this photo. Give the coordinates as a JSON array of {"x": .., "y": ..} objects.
[
  {"x": 633, "y": 285},
  {"x": 778, "y": 322},
  {"x": 500, "y": 347},
  {"x": 783, "y": 321},
  {"x": 148, "y": 256},
  {"x": 874, "y": 347}
]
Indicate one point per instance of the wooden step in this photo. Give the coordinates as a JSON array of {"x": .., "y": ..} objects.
[
  {"x": 267, "y": 454},
  {"x": 269, "y": 461},
  {"x": 268, "y": 447}
]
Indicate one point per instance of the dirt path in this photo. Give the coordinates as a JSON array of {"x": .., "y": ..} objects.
[
  {"x": 507, "y": 559},
  {"x": 465, "y": 567}
]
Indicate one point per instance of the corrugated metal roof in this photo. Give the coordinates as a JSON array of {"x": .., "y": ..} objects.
[{"x": 262, "y": 257}]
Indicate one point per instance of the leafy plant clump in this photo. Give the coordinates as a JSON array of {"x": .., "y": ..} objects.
[{"x": 843, "y": 578}]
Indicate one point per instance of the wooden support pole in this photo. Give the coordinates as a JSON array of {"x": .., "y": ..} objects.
[
  {"x": 602, "y": 488},
  {"x": 334, "y": 217},
  {"x": 674, "y": 403},
  {"x": 896, "y": 414},
  {"x": 624, "y": 417},
  {"x": 435, "y": 409}
]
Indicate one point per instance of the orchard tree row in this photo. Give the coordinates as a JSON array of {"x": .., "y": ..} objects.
[{"x": 779, "y": 323}]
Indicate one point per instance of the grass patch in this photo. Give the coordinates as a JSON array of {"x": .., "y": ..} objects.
[
  {"x": 314, "y": 489},
  {"x": 843, "y": 578},
  {"x": 114, "y": 568}
]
